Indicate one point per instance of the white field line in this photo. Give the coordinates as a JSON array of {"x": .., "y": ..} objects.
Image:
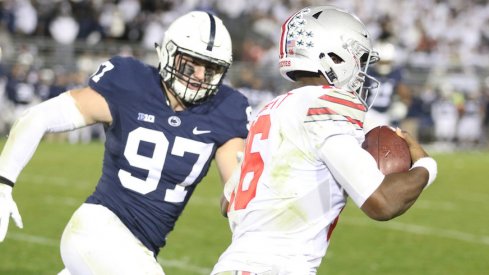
[
  {"x": 32, "y": 239},
  {"x": 56, "y": 181},
  {"x": 58, "y": 200},
  {"x": 421, "y": 230},
  {"x": 184, "y": 264},
  {"x": 438, "y": 205}
]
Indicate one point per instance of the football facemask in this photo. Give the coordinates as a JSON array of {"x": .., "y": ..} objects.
[{"x": 192, "y": 79}]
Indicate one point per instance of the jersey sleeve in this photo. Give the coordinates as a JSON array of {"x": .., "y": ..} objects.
[
  {"x": 118, "y": 77},
  {"x": 234, "y": 113},
  {"x": 108, "y": 76},
  {"x": 334, "y": 126},
  {"x": 354, "y": 168},
  {"x": 333, "y": 112},
  {"x": 121, "y": 81}
]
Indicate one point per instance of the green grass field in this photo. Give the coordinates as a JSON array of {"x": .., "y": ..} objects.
[{"x": 445, "y": 232}]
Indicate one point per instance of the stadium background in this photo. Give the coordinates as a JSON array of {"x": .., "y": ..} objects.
[{"x": 50, "y": 46}]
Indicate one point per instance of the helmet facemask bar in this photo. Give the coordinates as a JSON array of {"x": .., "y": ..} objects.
[
  {"x": 363, "y": 57},
  {"x": 178, "y": 74}
]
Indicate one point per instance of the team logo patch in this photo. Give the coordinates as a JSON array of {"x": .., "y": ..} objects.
[
  {"x": 197, "y": 131},
  {"x": 174, "y": 121},
  {"x": 146, "y": 117}
]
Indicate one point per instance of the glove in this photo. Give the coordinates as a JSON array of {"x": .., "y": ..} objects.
[{"x": 7, "y": 208}]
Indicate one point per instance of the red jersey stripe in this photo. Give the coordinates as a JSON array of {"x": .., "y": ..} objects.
[
  {"x": 328, "y": 111},
  {"x": 320, "y": 111},
  {"x": 357, "y": 106},
  {"x": 333, "y": 225}
]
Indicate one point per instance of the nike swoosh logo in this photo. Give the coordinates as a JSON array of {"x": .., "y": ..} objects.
[{"x": 196, "y": 131}]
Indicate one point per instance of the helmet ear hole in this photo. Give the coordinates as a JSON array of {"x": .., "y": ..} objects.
[{"x": 336, "y": 59}]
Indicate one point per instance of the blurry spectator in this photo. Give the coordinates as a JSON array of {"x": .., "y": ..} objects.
[
  {"x": 64, "y": 28},
  {"x": 112, "y": 21},
  {"x": 153, "y": 31},
  {"x": 86, "y": 15},
  {"x": 25, "y": 17},
  {"x": 251, "y": 85},
  {"x": 469, "y": 128},
  {"x": 486, "y": 116},
  {"x": 390, "y": 103},
  {"x": 20, "y": 88},
  {"x": 46, "y": 80},
  {"x": 5, "y": 107},
  {"x": 445, "y": 113}
]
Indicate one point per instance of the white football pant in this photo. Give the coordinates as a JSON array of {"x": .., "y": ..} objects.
[{"x": 95, "y": 241}]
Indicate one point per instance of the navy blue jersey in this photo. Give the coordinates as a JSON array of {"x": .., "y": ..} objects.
[
  {"x": 154, "y": 157},
  {"x": 387, "y": 89}
]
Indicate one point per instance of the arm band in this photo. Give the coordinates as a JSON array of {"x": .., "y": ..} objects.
[
  {"x": 55, "y": 115},
  {"x": 430, "y": 165}
]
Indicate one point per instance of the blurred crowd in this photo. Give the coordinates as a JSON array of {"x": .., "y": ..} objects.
[{"x": 49, "y": 46}]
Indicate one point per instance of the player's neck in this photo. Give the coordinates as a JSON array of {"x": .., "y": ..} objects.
[
  {"x": 172, "y": 101},
  {"x": 175, "y": 103}
]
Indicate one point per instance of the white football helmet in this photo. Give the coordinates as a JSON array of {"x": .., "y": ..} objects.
[
  {"x": 203, "y": 39},
  {"x": 387, "y": 52},
  {"x": 331, "y": 42}
]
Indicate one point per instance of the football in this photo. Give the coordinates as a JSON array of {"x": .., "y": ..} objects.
[{"x": 389, "y": 150}]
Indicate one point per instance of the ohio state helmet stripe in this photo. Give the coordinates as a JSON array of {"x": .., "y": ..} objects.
[
  {"x": 283, "y": 38},
  {"x": 212, "y": 34}
]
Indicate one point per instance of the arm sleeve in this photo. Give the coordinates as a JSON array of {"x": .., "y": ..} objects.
[
  {"x": 354, "y": 168},
  {"x": 55, "y": 115}
]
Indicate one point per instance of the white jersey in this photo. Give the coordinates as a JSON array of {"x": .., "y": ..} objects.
[{"x": 292, "y": 190}]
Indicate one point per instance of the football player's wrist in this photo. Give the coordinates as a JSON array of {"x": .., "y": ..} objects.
[
  {"x": 6, "y": 181},
  {"x": 429, "y": 164}
]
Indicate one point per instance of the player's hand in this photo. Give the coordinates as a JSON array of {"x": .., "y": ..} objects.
[
  {"x": 415, "y": 148},
  {"x": 8, "y": 208}
]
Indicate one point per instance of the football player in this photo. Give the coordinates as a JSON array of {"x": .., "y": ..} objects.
[
  {"x": 393, "y": 98},
  {"x": 303, "y": 154},
  {"x": 164, "y": 126}
]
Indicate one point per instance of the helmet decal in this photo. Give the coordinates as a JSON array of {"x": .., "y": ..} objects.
[
  {"x": 212, "y": 33},
  {"x": 293, "y": 34},
  {"x": 328, "y": 41}
]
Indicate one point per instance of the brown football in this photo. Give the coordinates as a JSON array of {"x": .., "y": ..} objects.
[{"x": 389, "y": 150}]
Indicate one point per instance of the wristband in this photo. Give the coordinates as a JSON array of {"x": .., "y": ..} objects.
[
  {"x": 6, "y": 181},
  {"x": 430, "y": 165}
]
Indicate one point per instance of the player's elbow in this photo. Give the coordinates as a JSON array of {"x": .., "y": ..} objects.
[
  {"x": 380, "y": 214},
  {"x": 378, "y": 208}
]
